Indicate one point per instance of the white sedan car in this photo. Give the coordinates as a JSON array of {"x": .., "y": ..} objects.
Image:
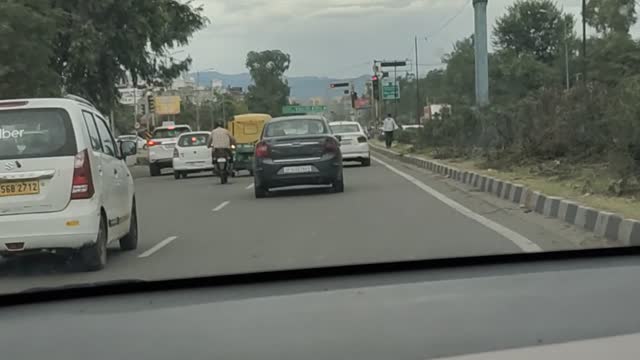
[
  {"x": 191, "y": 154},
  {"x": 354, "y": 143}
]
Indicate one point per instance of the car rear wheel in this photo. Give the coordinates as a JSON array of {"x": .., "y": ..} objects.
[
  {"x": 366, "y": 162},
  {"x": 176, "y": 174},
  {"x": 130, "y": 241},
  {"x": 260, "y": 192},
  {"x": 154, "y": 170},
  {"x": 338, "y": 185},
  {"x": 94, "y": 256},
  {"x": 184, "y": 175}
]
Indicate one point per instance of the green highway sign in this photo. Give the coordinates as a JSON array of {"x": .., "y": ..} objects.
[
  {"x": 303, "y": 109},
  {"x": 390, "y": 91}
]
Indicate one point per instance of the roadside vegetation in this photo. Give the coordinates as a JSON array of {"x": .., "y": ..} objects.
[{"x": 579, "y": 139}]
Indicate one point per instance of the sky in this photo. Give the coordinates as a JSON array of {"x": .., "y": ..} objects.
[{"x": 336, "y": 38}]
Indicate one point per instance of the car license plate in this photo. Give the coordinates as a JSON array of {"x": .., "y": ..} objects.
[
  {"x": 222, "y": 160},
  {"x": 297, "y": 169},
  {"x": 20, "y": 188}
]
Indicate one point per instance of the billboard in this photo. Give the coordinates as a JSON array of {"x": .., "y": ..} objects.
[{"x": 167, "y": 105}]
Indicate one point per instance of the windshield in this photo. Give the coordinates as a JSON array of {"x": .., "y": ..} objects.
[
  {"x": 362, "y": 132},
  {"x": 36, "y": 133},
  {"x": 343, "y": 129},
  {"x": 169, "y": 133},
  {"x": 193, "y": 140},
  {"x": 295, "y": 127}
]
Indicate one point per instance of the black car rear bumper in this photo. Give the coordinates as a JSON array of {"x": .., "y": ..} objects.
[{"x": 325, "y": 172}]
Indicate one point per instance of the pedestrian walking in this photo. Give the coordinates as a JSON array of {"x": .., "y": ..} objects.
[{"x": 389, "y": 125}]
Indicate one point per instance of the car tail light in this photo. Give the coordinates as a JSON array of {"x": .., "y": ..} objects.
[
  {"x": 331, "y": 145},
  {"x": 362, "y": 139},
  {"x": 262, "y": 150},
  {"x": 151, "y": 143},
  {"x": 176, "y": 154},
  {"x": 82, "y": 186}
]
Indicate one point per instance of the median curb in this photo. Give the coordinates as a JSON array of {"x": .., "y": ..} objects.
[{"x": 602, "y": 223}]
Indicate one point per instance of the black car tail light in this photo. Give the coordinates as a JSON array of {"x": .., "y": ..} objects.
[
  {"x": 262, "y": 150},
  {"x": 331, "y": 145},
  {"x": 362, "y": 139}
]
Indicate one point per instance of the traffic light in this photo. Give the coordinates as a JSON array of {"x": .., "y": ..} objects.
[
  {"x": 376, "y": 87},
  {"x": 151, "y": 100}
]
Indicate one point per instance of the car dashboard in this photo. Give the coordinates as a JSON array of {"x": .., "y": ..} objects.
[{"x": 514, "y": 310}]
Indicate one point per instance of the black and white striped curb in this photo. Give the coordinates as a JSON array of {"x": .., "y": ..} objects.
[{"x": 608, "y": 225}]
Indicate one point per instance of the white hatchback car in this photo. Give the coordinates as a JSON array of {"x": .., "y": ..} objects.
[
  {"x": 191, "y": 154},
  {"x": 161, "y": 145},
  {"x": 64, "y": 184},
  {"x": 354, "y": 143}
]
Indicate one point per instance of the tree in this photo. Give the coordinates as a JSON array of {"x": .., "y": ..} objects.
[
  {"x": 270, "y": 90},
  {"x": 92, "y": 52},
  {"x": 27, "y": 30},
  {"x": 460, "y": 73},
  {"x": 535, "y": 27},
  {"x": 608, "y": 16}
]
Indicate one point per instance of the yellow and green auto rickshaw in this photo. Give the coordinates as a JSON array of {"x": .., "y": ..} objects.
[{"x": 246, "y": 129}]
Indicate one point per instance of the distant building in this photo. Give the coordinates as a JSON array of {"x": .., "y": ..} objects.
[
  {"x": 217, "y": 84},
  {"x": 316, "y": 101}
]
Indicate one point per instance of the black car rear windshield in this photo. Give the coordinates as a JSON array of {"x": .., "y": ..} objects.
[
  {"x": 296, "y": 127},
  {"x": 170, "y": 133},
  {"x": 343, "y": 129},
  {"x": 193, "y": 140},
  {"x": 36, "y": 133}
]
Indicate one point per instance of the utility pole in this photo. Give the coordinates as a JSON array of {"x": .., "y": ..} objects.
[
  {"x": 566, "y": 54},
  {"x": 481, "y": 53},
  {"x": 584, "y": 41},
  {"x": 417, "y": 85}
]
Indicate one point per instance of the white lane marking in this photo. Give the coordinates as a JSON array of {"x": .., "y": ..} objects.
[
  {"x": 221, "y": 206},
  {"x": 158, "y": 246},
  {"x": 250, "y": 186},
  {"x": 522, "y": 242}
]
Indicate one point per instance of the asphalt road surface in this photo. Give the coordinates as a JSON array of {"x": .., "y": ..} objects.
[{"x": 389, "y": 211}]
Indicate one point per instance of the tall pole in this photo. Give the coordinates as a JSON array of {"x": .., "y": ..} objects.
[
  {"x": 584, "y": 41},
  {"x": 417, "y": 85},
  {"x": 224, "y": 113},
  {"x": 566, "y": 55},
  {"x": 197, "y": 100},
  {"x": 481, "y": 52},
  {"x": 395, "y": 87},
  {"x": 135, "y": 105}
]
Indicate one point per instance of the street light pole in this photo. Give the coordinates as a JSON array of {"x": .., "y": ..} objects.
[
  {"x": 566, "y": 54},
  {"x": 584, "y": 41},
  {"x": 417, "y": 85}
]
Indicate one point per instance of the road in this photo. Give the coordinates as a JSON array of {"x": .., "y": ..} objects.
[{"x": 389, "y": 211}]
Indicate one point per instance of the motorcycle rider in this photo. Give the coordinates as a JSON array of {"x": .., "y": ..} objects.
[{"x": 221, "y": 141}]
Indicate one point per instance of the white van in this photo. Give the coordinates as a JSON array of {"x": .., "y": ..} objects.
[{"x": 64, "y": 184}]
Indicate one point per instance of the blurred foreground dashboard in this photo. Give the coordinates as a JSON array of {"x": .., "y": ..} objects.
[{"x": 587, "y": 308}]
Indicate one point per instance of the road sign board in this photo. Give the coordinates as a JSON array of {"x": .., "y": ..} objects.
[
  {"x": 391, "y": 91},
  {"x": 303, "y": 109}
]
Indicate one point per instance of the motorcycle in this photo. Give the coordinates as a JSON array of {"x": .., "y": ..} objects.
[{"x": 223, "y": 164}]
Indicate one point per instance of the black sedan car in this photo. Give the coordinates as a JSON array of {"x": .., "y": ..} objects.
[{"x": 297, "y": 150}]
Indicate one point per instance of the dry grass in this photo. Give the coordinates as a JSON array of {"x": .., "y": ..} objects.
[{"x": 586, "y": 184}]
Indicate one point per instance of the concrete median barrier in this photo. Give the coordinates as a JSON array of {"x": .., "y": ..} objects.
[{"x": 611, "y": 226}]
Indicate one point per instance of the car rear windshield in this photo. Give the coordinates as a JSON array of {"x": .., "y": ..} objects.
[
  {"x": 36, "y": 133},
  {"x": 170, "y": 133},
  {"x": 193, "y": 140},
  {"x": 296, "y": 127},
  {"x": 343, "y": 129}
]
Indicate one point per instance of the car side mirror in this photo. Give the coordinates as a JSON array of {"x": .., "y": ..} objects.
[{"x": 128, "y": 148}]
